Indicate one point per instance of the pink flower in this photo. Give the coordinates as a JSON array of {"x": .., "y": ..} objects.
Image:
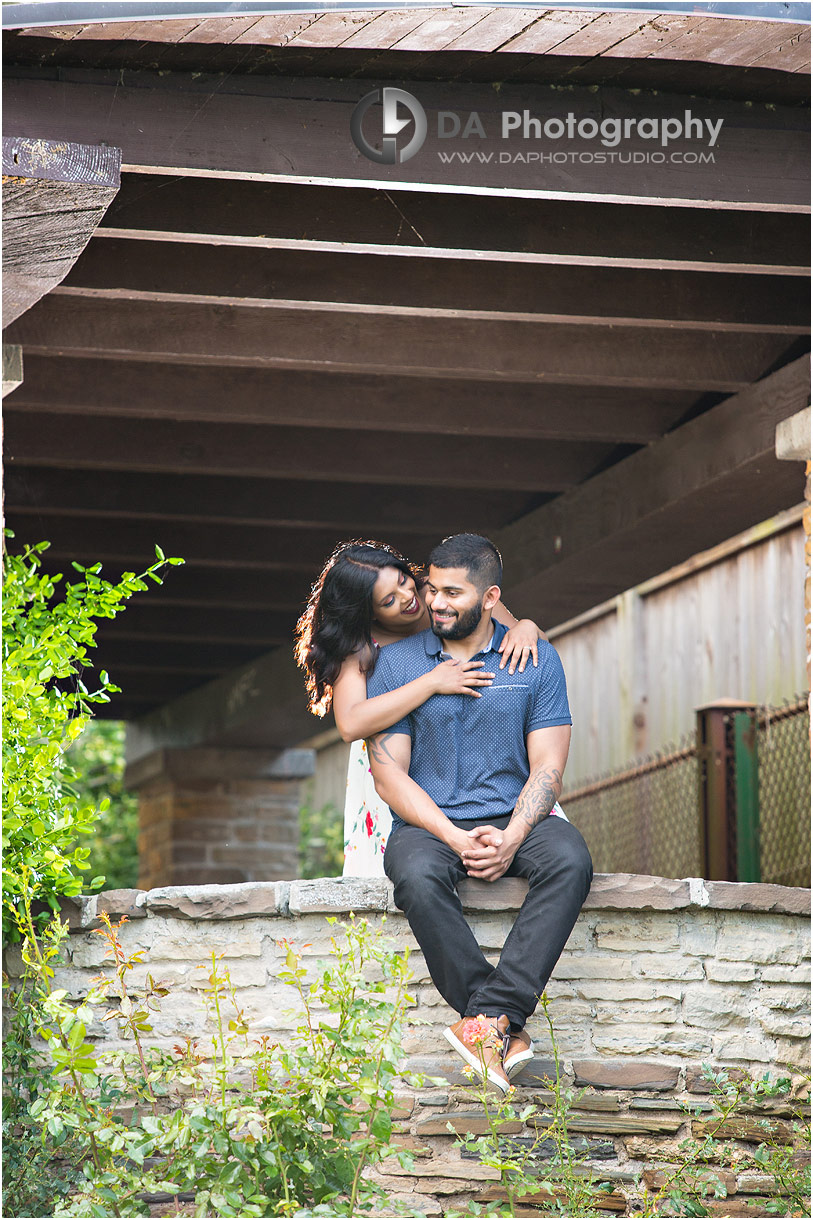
[
  {"x": 478, "y": 1030},
  {"x": 368, "y": 822}
]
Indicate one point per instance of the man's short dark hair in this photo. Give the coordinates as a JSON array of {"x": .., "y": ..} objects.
[{"x": 478, "y": 555}]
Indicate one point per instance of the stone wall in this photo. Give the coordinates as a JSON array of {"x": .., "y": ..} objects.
[{"x": 659, "y": 977}]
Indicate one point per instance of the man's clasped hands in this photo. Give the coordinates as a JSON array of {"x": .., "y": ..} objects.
[{"x": 489, "y": 852}]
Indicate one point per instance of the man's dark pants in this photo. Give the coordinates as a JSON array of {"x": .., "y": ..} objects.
[{"x": 425, "y": 873}]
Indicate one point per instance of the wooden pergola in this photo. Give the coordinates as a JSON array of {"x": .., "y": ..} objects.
[{"x": 271, "y": 343}]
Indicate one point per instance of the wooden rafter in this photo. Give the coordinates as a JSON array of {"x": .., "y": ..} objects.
[
  {"x": 707, "y": 480},
  {"x": 278, "y": 130},
  {"x": 54, "y": 195},
  {"x": 155, "y": 327}
]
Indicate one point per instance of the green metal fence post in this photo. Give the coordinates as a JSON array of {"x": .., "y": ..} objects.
[
  {"x": 746, "y": 779},
  {"x": 719, "y": 789}
]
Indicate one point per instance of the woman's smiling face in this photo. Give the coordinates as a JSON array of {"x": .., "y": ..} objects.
[{"x": 396, "y": 601}]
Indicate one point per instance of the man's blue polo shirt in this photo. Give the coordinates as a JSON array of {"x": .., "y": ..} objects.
[{"x": 469, "y": 754}]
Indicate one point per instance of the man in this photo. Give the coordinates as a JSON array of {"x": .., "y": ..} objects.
[{"x": 472, "y": 784}]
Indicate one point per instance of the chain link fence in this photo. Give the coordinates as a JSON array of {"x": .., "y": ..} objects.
[
  {"x": 783, "y": 751},
  {"x": 651, "y": 819},
  {"x": 645, "y": 819}
]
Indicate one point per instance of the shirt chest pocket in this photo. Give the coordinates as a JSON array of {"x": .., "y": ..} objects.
[{"x": 501, "y": 712}]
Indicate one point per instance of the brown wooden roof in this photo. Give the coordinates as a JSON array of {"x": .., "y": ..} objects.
[
  {"x": 247, "y": 364},
  {"x": 534, "y": 30}
]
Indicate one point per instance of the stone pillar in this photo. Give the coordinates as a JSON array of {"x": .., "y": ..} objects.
[
  {"x": 12, "y": 367},
  {"x": 793, "y": 445},
  {"x": 218, "y": 816}
]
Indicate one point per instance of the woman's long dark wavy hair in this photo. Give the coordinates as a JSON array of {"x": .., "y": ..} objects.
[{"x": 339, "y": 617}]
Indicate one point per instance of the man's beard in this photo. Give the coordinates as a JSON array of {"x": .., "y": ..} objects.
[{"x": 460, "y": 627}]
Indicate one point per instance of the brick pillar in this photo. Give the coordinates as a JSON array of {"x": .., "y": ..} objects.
[{"x": 218, "y": 816}]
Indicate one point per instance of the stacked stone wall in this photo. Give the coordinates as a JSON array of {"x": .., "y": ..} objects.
[{"x": 659, "y": 978}]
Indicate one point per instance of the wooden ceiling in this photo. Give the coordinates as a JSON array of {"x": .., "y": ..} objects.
[{"x": 251, "y": 361}]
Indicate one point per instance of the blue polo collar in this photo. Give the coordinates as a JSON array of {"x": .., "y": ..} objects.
[{"x": 434, "y": 645}]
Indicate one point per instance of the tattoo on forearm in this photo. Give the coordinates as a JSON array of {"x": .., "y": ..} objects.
[
  {"x": 379, "y": 749},
  {"x": 539, "y": 796}
]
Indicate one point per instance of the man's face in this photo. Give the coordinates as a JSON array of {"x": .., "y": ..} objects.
[{"x": 455, "y": 604}]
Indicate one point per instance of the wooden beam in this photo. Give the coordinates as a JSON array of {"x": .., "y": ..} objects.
[
  {"x": 205, "y": 587},
  {"x": 171, "y": 656},
  {"x": 621, "y": 296},
  {"x": 143, "y": 691},
  {"x": 336, "y": 339},
  {"x": 275, "y": 129},
  {"x": 54, "y": 195},
  {"x": 251, "y": 548},
  {"x": 260, "y": 704},
  {"x": 146, "y": 619},
  {"x": 704, "y": 482},
  {"x": 383, "y": 458},
  {"x": 793, "y": 437},
  {"x": 310, "y": 399},
  {"x": 349, "y": 508},
  {"x": 418, "y": 224}
]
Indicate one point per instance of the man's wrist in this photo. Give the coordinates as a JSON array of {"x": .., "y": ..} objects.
[{"x": 516, "y": 832}]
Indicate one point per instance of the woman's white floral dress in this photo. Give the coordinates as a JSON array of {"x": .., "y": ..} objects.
[{"x": 367, "y": 820}]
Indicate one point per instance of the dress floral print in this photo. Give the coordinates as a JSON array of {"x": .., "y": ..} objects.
[{"x": 367, "y": 820}]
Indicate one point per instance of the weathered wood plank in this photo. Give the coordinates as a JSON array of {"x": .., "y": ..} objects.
[
  {"x": 288, "y": 452},
  {"x": 417, "y": 223},
  {"x": 276, "y": 30},
  {"x": 82, "y": 164},
  {"x": 330, "y": 339},
  {"x": 549, "y": 30},
  {"x": 733, "y": 42},
  {"x": 383, "y": 30},
  {"x": 330, "y": 29},
  {"x": 495, "y": 30},
  {"x": 654, "y": 37},
  {"x": 601, "y": 35},
  {"x": 761, "y": 157},
  {"x": 594, "y": 34},
  {"x": 697, "y": 486},
  {"x": 439, "y": 29},
  {"x": 54, "y": 195},
  {"x": 97, "y": 31},
  {"x": 791, "y": 52},
  {"x": 318, "y": 400}
]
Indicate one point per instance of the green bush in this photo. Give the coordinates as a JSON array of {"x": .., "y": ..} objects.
[
  {"x": 321, "y": 841},
  {"x": 97, "y": 757},
  {"x": 247, "y": 1127},
  {"x": 47, "y": 704}
]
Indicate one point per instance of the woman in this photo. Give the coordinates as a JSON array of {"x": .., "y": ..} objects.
[{"x": 369, "y": 596}]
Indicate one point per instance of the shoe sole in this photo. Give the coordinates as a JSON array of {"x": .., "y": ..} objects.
[
  {"x": 474, "y": 1062},
  {"x": 517, "y": 1062}
]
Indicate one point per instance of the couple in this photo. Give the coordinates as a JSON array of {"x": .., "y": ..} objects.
[{"x": 470, "y": 777}]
